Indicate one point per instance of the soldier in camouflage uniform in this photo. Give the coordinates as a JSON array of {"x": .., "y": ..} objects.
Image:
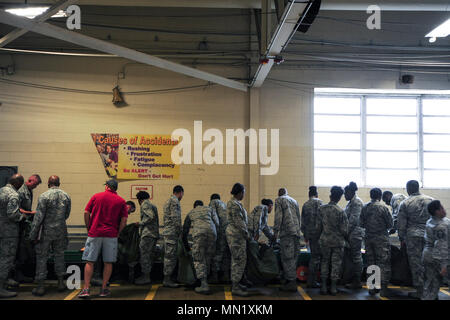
[
  {"x": 204, "y": 224},
  {"x": 25, "y": 252},
  {"x": 393, "y": 200},
  {"x": 10, "y": 218},
  {"x": 332, "y": 230},
  {"x": 377, "y": 221},
  {"x": 309, "y": 224},
  {"x": 49, "y": 230},
  {"x": 355, "y": 232},
  {"x": 237, "y": 237},
  {"x": 171, "y": 233},
  {"x": 435, "y": 257},
  {"x": 257, "y": 220},
  {"x": 221, "y": 259},
  {"x": 149, "y": 234},
  {"x": 287, "y": 229},
  {"x": 412, "y": 218}
]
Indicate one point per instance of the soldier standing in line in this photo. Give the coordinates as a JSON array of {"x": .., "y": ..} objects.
[
  {"x": 393, "y": 200},
  {"x": 436, "y": 251},
  {"x": 171, "y": 233},
  {"x": 309, "y": 228},
  {"x": 287, "y": 229},
  {"x": 149, "y": 234},
  {"x": 332, "y": 230},
  {"x": 412, "y": 218},
  {"x": 237, "y": 237},
  {"x": 220, "y": 208},
  {"x": 49, "y": 230},
  {"x": 10, "y": 217},
  {"x": 377, "y": 221},
  {"x": 257, "y": 220},
  {"x": 204, "y": 224},
  {"x": 355, "y": 233}
]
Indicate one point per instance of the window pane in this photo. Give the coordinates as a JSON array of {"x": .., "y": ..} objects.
[
  {"x": 436, "y": 160},
  {"x": 436, "y": 125},
  {"x": 436, "y": 179},
  {"x": 391, "y": 106},
  {"x": 393, "y": 142},
  {"x": 391, "y": 124},
  {"x": 392, "y": 160},
  {"x": 340, "y": 177},
  {"x": 337, "y": 159},
  {"x": 337, "y": 141},
  {"x": 436, "y": 143},
  {"x": 337, "y": 105},
  {"x": 436, "y": 107},
  {"x": 390, "y": 178},
  {"x": 337, "y": 123}
]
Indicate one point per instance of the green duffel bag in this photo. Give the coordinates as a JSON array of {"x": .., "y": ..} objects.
[
  {"x": 128, "y": 245},
  {"x": 262, "y": 263},
  {"x": 186, "y": 273}
]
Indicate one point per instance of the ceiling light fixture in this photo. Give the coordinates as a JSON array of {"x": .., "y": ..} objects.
[
  {"x": 441, "y": 31},
  {"x": 31, "y": 12}
]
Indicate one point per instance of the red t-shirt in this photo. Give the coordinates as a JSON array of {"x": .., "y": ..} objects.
[{"x": 107, "y": 209}]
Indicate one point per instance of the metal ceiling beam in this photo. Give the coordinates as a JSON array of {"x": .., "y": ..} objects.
[
  {"x": 13, "y": 35},
  {"x": 103, "y": 46}
]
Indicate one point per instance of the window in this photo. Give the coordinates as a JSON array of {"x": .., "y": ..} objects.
[{"x": 381, "y": 139}]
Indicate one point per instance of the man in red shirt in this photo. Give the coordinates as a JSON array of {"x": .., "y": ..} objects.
[{"x": 105, "y": 216}]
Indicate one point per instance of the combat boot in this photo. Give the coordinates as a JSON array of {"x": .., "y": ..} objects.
[
  {"x": 61, "y": 285},
  {"x": 143, "y": 280},
  {"x": 39, "y": 290},
  {"x": 204, "y": 287},
  {"x": 169, "y": 283},
  {"x": 5, "y": 293},
  {"x": 236, "y": 290},
  {"x": 214, "y": 278},
  {"x": 12, "y": 283},
  {"x": 323, "y": 289},
  {"x": 291, "y": 286},
  {"x": 246, "y": 282},
  {"x": 416, "y": 294},
  {"x": 333, "y": 289}
]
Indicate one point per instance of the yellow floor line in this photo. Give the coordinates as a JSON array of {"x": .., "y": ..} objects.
[
  {"x": 73, "y": 294},
  {"x": 303, "y": 293},
  {"x": 228, "y": 295},
  {"x": 151, "y": 294},
  {"x": 445, "y": 292},
  {"x": 383, "y": 298}
]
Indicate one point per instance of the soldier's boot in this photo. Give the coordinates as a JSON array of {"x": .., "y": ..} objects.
[
  {"x": 5, "y": 293},
  {"x": 416, "y": 294},
  {"x": 384, "y": 291},
  {"x": 204, "y": 287},
  {"x": 291, "y": 286},
  {"x": 333, "y": 288},
  {"x": 246, "y": 282},
  {"x": 323, "y": 288},
  {"x": 40, "y": 289},
  {"x": 169, "y": 283},
  {"x": 61, "y": 284},
  {"x": 12, "y": 283},
  {"x": 311, "y": 282},
  {"x": 143, "y": 280},
  {"x": 236, "y": 290},
  {"x": 214, "y": 278}
]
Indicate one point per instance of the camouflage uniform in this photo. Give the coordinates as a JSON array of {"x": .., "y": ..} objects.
[
  {"x": 10, "y": 217},
  {"x": 395, "y": 204},
  {"x": 25, "y": 250},
  {"x": 171, "y": 233},
  {"x": 237, "y": 236},
  {"x": 355, "y": 232},
  {"x": 435, "y": 255},
  {"x": 287, "y": 229},
  {"x": 204, "y": 224},
  {"x": 377, "y": 221},
  {"x": 333, "y": 228},
  {"x": 257, "y": 222},
  {"x": 149, "y": 234},
  {"x": 220, "y": 209},
  {"x": 50, "y": 228},
  {"x": 412, "y": 218},
  {"x": 309, "y": 228}
]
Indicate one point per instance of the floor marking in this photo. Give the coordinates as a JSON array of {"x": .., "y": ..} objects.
[
  {"x": 228, "y": 295},
  {"x": 445, "y": 292},
  {"x": 303, "y": 293},
  {"x": 73, "y": 294},
  {"x": 383, "y": 298},
  {"x": 152, "y": 292}
]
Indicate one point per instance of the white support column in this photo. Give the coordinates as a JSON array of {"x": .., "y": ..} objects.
[{"x": 254, "y": 169}]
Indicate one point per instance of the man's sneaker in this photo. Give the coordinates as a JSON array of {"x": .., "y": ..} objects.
[
  {"x": 84, "y": 294},
  {"x": 105, "y": 293}
]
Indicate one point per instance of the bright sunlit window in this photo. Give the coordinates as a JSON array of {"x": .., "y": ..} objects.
[{"x": 381, "y": 139}]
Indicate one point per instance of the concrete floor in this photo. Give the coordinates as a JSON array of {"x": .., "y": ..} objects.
[{"x": 127, "y": 291}]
